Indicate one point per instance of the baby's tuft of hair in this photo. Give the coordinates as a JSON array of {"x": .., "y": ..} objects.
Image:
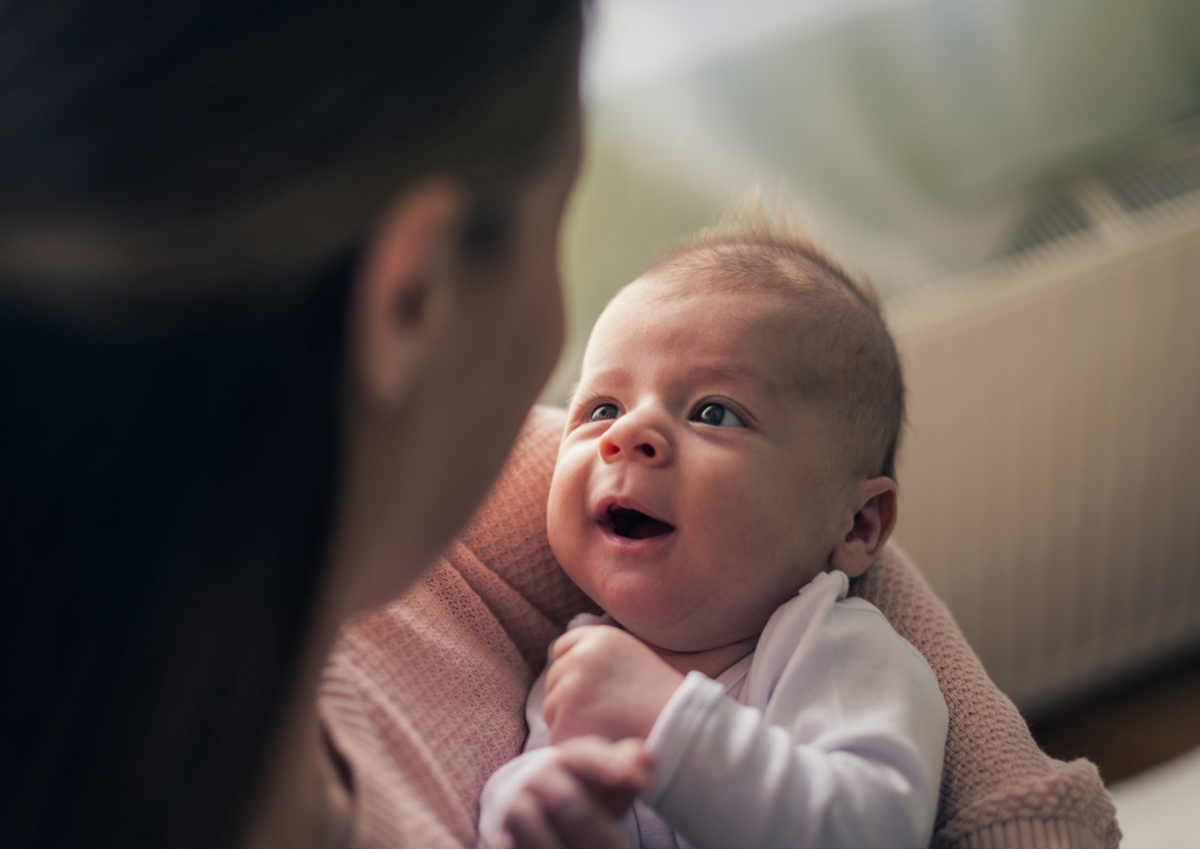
[{"x": 846, "y": 358}]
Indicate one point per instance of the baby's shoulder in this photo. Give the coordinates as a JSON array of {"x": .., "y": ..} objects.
[
  {"x": 824, "y": 605},
  {"x": 854, "y": 620},
  {"x": 823, "y": 633}
]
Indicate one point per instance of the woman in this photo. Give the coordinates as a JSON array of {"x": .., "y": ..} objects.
[{"x": 277, "y": 285}]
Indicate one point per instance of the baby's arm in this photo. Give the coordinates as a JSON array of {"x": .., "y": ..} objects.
[
  {"x": 846, "y": 751},
  {"x": 730, "y": 778}
]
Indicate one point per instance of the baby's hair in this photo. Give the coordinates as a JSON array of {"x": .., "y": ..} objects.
[{"x": 847, "y": 359}]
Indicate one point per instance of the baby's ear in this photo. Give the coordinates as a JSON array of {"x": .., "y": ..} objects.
[{"x": 866, "y": 527}]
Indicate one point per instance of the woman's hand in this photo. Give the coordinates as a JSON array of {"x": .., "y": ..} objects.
[
  {"x": 577, "y": 798},
  {"x": 606, "y": 682}
]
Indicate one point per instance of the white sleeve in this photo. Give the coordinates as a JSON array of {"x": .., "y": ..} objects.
[{"x": 848, "y": 751}]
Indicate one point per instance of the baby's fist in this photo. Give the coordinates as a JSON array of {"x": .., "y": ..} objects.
[{"x": 605, "y": 682}]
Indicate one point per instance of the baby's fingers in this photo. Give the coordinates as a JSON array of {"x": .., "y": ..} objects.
[
  {"x": 526, "y": 824},
  {"x": 614, "y": 772},
  {"x": 556, "y": 810}
]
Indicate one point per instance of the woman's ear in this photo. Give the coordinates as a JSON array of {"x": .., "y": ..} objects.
[
  {"x": 406, "y": 289},
  {"x": 867, "y": 529}
]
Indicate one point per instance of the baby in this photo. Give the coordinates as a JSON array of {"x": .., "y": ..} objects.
[{"x": 726, "y": 469}]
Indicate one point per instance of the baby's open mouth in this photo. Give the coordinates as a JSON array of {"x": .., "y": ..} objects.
[{"x": 627, "y": 522}]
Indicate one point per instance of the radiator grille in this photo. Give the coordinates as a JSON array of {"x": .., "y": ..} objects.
[
  {"x": 1050, "y": 479},
  {"x": 1163, "y": 178}
]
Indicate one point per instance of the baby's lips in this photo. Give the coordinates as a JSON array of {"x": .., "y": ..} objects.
[
  {"x": 606, "y": 505},
  {"x": 627, "y": 519}
]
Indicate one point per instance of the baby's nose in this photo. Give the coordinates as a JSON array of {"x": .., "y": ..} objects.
[
  {"x": 636, "y": 438},
  {"x": 609, "y": 450}
]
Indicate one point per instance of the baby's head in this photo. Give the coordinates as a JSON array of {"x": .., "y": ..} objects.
[{"x": 733, "y": 435}]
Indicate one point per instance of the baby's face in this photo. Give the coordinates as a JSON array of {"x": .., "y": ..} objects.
[{"x": 695, "y": 491}]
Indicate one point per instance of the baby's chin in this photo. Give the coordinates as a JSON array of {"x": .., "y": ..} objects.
[{"x": 637, "y": 600}]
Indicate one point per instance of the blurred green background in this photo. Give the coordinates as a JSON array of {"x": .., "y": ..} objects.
[{"x": 915, "y": 135}]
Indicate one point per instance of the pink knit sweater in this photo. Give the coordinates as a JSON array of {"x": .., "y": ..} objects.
[{"x": 425, "y": 697}]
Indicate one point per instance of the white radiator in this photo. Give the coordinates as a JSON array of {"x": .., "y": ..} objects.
[{"x": 1050, "y": 475}]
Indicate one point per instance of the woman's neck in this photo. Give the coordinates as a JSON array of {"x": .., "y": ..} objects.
[{"x": 303, "y": 801}]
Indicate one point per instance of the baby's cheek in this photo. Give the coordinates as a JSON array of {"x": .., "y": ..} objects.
[
  {"x": 735, "y": 518},
  {"x": 558, "y": 514},
  {"x": 566, "y": 532}
]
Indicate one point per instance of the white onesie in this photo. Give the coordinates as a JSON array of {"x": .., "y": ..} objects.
[{"x": 830, "y": 734}]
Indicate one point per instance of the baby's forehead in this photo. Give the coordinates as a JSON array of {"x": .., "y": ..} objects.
[
  {"x": 693, "y": 319},
  {"x": 810, "y": 319},
  {"x": 658, "y": 291},
  {"x": 787, "y": 314}
]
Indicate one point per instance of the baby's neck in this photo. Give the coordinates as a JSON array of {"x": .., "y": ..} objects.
[{"x": 710, "y": 662}]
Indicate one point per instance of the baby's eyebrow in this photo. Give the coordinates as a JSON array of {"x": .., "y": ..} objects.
[
  {"x": 613, "y": 378},
  {"x": 704, "y": 370},
  {"x": 739, "y": 375}
]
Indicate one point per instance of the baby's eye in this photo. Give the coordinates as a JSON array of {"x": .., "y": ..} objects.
[
  {"x": 718, "y": 414},
  {"x": 604, "y": 412}
]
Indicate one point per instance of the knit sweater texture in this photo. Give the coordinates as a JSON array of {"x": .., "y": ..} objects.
[{"x": 424, "y": 698}]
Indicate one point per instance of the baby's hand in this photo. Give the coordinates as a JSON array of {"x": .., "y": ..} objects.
[
  {"x": 576, "y": 798},
  {"x": 605, "y": 682}
]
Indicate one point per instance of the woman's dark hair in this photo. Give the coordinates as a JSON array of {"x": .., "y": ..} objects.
[{"x": 184, "y": 190}]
